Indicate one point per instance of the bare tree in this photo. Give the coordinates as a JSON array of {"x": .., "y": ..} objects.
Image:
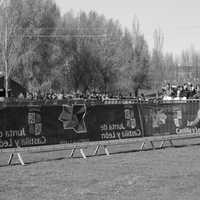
[
  {"x": 9, "y": 38},
  {"x": 157, "y": 65},
  {"x": 134, "y": 73},
  {"x": 186, "y": 64},
  {"x": 170, "y": 68}
]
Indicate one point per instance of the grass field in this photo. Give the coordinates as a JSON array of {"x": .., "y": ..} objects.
[{"x": 128, "y": 174}]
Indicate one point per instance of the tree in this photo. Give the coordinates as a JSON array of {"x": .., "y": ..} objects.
[
  {"x": 157, "y": 64},
  {"x": 170, "y": 68},
  {"x": 93, "y": 49},
  {"x": 109, "y": 54},
  {"x": 39, "y": 52},
  {"x": 10, "y": 14},
  {"x": 189, "y": 61},
  {"x": 136, "y": 60},
  {"x": 29, "y": 59}
]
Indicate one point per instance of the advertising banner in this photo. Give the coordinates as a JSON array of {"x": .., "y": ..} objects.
[
  {"x": 170, "y": 119},
  {"x": 120, "y": 121},
  {"x": 35, "y": 125}
]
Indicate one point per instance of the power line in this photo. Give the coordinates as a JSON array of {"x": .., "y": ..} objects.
[
  {"x": 75, "y": 28},
  {"x": 69, "y": 36},
  {"x": 104, "y": 35},
  {"x": 92, "y": 28}
]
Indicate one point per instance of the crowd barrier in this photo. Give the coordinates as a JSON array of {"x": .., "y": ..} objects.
[
  {"x": 50, "y": 102},
  {"x": 78, "y": 124}
]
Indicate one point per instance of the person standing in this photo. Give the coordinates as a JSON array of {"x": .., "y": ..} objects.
[
  {"x": 197, "y": 90},
  {"x": 167, "y": 92},
  {"x": 192, "y": 92},
  {"x": 185, "y": 92}
]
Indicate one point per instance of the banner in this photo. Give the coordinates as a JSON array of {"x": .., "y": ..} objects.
[
  {"x": 35, "y": 125},
  {"x": 114, "y": 122},
  {"x": 170, "y": 119}
]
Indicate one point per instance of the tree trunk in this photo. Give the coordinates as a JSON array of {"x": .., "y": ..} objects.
[{"x": 136, "y": 92}]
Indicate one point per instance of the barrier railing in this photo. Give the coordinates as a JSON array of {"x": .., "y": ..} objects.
[
  {"x": 146, "y": 101},
  {"x": 91, "y": 101},
  {"x": 51, "y": 102},
  {"x": 79, "y": 124}
]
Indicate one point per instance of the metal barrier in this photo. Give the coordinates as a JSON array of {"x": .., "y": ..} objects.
[
  {"x": 157, "y": 121},
  {"x": 51, "y": 102},
  {"x": 148, "y": 101},
  {"x": 104, "y": 144},
  {"x": 93, "y": 102}
]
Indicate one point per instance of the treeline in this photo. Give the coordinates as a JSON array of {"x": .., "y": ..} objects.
[{"x": 46, "y": 51}]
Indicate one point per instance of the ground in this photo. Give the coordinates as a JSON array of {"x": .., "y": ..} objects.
[{"x": 128, "y": 174}]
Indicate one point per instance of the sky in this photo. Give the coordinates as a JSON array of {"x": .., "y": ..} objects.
[{"x": 179, "y": 20}]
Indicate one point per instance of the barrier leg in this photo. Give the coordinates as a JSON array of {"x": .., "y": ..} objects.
[
  {"x": 20, "y": 159},
  {"x": 96, "y": 150},
  {"x": 10, "y": 159},
  {"x": 81, "y": 150},
  {"x": 152, "y": 145},
  {"x": 171, "y": 143},
  {"x": 106, "y": 150},
  {"x": 72, "y": 153},
  {"x": 162, "y": 143},
  {"x": 142, "y": 146}
]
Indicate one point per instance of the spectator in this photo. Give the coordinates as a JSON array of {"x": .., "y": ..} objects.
[
  {"x": 185, "y": 91},
  {"x": 60, "y": 96},
  {"x": 141, "y": 97},
  {"x": 35, "y": 96},
  {"x": 21, "y": 96},
  {"x": 197, "y": 92},
  {"x": 179, "y": 93},
  {"x": 192, "y": 92},
  {"x": 174, "y": 92},
  {"x": 167, "y": 92}
]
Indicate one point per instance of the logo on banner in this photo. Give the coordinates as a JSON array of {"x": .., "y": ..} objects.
[
  {"x": 34, "y": 122},
  {"x": 73, "y": 117},
  {"x": 178, "y": 118},
  {"x": 130, "y": 118},
  {"x": 158, "y": 117}
]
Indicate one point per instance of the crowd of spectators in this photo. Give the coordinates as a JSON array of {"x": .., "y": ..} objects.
[
  {"x": 184, "y": 92},
  {"x": 187, "y": 91},
  {"x": 72, "y": 95}
]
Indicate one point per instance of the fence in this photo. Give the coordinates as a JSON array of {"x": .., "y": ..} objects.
[{"x": 78, "y": 124}]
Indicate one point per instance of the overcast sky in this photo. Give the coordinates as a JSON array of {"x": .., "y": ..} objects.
[{"x": 179, "y": 20}]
